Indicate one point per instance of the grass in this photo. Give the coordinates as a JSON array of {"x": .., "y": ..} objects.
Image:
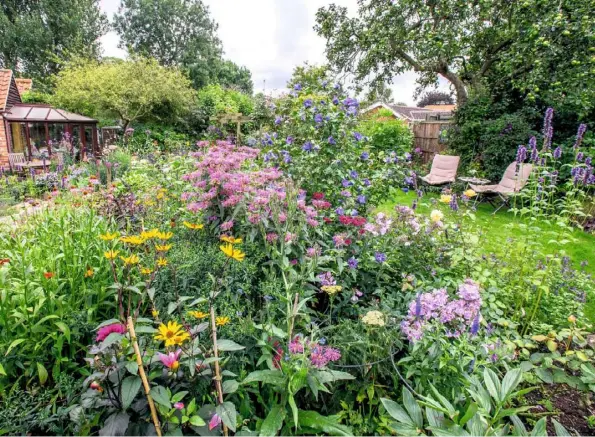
[{"x": 496, "y": 228}]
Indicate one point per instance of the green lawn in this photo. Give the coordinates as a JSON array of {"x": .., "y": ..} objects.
[{"x": 496, "y": 228}]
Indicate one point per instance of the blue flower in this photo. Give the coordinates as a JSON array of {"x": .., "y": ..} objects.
[
  {"x": 335, "y": 101},
  {"x": 298, "y": 87},
  {"x": 352, "y": 110},
  {"x": 269, "y": 156},
  {"x": 337, "y": 86},
  {"x": 308, "y": 103},
  {"x": 331, "y": 141},
  {"x": 350, "y": 102},
  {"x": 278, "y": 120},
  {"x": 339, "y": 211},
  {"x": 380, "y": 257},
  {"x": 318, "y": 118},
  {"x": 475, "y": 325},
  {"x": 365, "y": 156},
  {"x": 352, "y": 263},
  {"x": 361, "y": 199},
  {"x": 367, "y": 182},
  {"x": 286, "y": 156},
  {"x": 353, "y": 174},
  {"x": 324, "y": 83},
  {"x": 346, "y": 183},
  {"x": 289, "y": 140},
  {"x": 251, "y": 142},
  {"x": 358, "y": 136},
  {"x": 307, "y": 147}
]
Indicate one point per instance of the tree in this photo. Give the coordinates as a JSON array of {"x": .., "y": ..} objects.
[
  {"x": 379, "y": 93},
  {"x": 466, "y": 42},
  {"x": 435, "y": 98},
  {"x": 135, "y": 90},
  {"x": 179, "y": 33},
  {"x": 38, "y": 37},
  {"x": 310, "y": 76}
]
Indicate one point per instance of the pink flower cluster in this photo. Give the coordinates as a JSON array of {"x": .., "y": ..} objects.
[
  {"x": 456, "y": 315},
  {"x": 381, "y": 225},
  {"x": 320, "y": 355},
  {"x": 104, "y": 331}
]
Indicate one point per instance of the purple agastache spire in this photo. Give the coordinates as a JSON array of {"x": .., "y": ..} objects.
[
  {"x": 418, "y": 306},
  {"x": 521, "y": 154},
  {"x": 453, "y": 203},
  {"x": 548, "y": 131},
  {"x": 558, "y": 153},
  {"x": 579, "y": 136}
]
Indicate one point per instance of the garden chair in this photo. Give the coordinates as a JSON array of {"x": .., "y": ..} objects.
[
  {"x": 15, "y": 161},
  {"x": 443, "y": 171},
  {"x": 512, "y": 182}
]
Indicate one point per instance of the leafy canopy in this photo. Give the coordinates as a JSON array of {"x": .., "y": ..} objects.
[
  {"x": 135, "y": 90},
  {"x": 38, "y": 37}
]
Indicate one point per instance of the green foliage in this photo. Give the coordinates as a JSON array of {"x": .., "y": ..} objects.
[
  {"x": 387, "y": 133},
  {"x": 37, "y": 38},
  {"x": 214, "y": 100},
  {"x": 435, "y": 98},
  {"x": 134, "y": 90}
]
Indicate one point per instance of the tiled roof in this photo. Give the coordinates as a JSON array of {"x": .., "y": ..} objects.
[
  {"x": 408, "y": 111},
  {"x": 5, "y": 77}
]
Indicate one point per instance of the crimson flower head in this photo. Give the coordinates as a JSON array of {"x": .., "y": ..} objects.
[
  {"x": 318, "y": 196},
  {"x": 327, "y": 220},
  {"x": 49, "y": 275},
  {"x": 104, "y": 331}
]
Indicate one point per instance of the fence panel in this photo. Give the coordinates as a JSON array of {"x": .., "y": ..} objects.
[{"x": 429, "y": 137}]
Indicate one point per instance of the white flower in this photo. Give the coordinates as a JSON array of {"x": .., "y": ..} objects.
[
  {"x": 436, "y": 215},
  {"x": 374, "y": 318}
]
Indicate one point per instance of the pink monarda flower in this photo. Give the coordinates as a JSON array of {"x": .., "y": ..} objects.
[
  {"x": 312, "y": 252},
  {"x": 214, "y": 422},
  {"x": 272, "y": 237},
  {"x": 104, "y": 331},
  {"x": 226, "y": 226},
  {"x": 282, "y": 217},
  {"x": 171, "y": 359},
  {"x": 179, "y": 405}
]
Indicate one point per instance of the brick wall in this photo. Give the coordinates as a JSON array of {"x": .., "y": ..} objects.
[{"x": 3, "y": 144}]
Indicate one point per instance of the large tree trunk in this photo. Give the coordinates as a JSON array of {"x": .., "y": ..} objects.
[{"x": 459, "y": 86}]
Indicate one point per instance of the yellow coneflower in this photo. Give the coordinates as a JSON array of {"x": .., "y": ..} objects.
[
  {"x": 135, "y": 240},
  {"x": 198, "y": 314},
  {"x": 111, "y": 254},
  {"x": 163, "y": 248},
  {"x": 109, "y": 237},
  {"x": 232, "y": 252},
  {"x": 148, "y": 235},
  {"x": 165, "y": 235},
  {"x": 195, "y": 226},
  {"x": 229, "y": 239},
  {"x": 130, "y": 260},
  {"x": 221, "y": 321},
  {"x": 172, "y": 334},
  {"x": 146, "y": 271},
  {"x": 89, "y": 273},
  {"x": 161, "y": 262}
]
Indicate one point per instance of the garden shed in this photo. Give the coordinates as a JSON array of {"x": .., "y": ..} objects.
[{"x": 39, "y": 130}]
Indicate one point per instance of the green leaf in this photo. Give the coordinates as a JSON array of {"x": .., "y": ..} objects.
[
  {"x": 468, "y": 414},
  {"x": 42, "y": 373},
  {"x": 130, "y": 388},
  {"x": 560, "y": 430},
  {"x": 227, "y": 412},
  {"x": 540, "y": 428},
  {"x": 144, "y": 329},
  {"x": 197, "y": 421},
  {"x": 492, "y": 383},
  {"x": 294, "y": 409},
  {"x": 132, "y": 367},
  {"x": 115, "y": 425},
  {"x": 510, "y": 382},
  {"x": 396, "y": 412},
  {"x": 159, "y": 395},
  {"x": 230, "y": 386},
  {"x": 228, "y": 346},
  {"x": 274, "y": 421},
  {"x": 545, "y": 375},
  {"x": 178, "y": 396},
  {"x": 519, "y": 426},
  {"x": 326, "y": 424},
  {"x": 274, "y": 377},
  {"x": 2, "y": 371},
  {"x": 413, "y": 408},
  {"x": 65, "y": 329},
  {"x": 14, "y": 344}
]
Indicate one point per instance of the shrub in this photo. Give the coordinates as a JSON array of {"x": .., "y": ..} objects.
[{"x": 387, "y": 133}]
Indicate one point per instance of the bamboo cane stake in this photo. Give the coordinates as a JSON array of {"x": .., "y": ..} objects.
[
  {"x": 143, "y": 376},
  {"x": 216, "y": 355}
]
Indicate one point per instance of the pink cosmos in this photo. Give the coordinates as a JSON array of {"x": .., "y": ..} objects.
[
  {"x": 104, "y": 331},
  {"x": 214, "y": 422},
  {"x": 170, "y": 359}
]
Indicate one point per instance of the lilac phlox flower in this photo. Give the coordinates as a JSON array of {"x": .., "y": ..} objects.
[{"x": 327, "y": 278}]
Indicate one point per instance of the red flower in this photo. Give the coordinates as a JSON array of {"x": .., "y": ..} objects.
[
  {"x": 49, "y": 275},
  {"x": 4, "y": 261},
  {"x": 318, "y": 196},
  {"x": 327, "y": 220},
  {"x": 358, "y": 221},
  {"x": 345, "y": 219},
  {"x": 348, "y": 241}
]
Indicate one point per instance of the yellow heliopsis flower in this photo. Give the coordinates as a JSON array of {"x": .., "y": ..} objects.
[
  {"x": 89, "y": 273},
  {"x": 165, "y": 235},
  {"x": 331, "y": 289},
  {"x": 149, "y": 203},
  {"x": 163, "y": 248},
  {"x": 111, "y": 254},
  {"x": 146, "y": 270},
  {"x": 232, "y": 252},
  {"x": 445, "y": 198},
  {"x": 161, "y": 262},
  {"x": 470, "y": 193},
  {"x": 154, "y": 313},
  {"x": 109, "y": 237},
  {"x": 195, "y": 226},
  {"x": 230, "y": 239},
  {"x": 135, "y": 240},
  {"x": 198, "y": 314},
  {"x": 221, "y": 321},
  {"x": 130, "y": 260},
  {"x": 172, "y": 334},
  {"x": 148, "y": 235}
]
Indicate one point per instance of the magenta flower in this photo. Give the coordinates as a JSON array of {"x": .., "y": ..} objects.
[
  {"x": 214, "y": 422},
  {"x": 104, "y": 331},
  {"x": 179, "y": 405},
  {"x": 171, "y": 359}
]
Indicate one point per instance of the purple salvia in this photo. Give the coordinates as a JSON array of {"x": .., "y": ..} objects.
[
  {"x": 475, "y": 325},
  {"x": 418, "y": 306},
  {"x": 579, "y": 136},
  {"x": 534, "y": 154},
  {"x": 547, "y": 129},
  {"x": 558, "y": 153},
  {"x": 580, "y": 156},
  {"x": 521, "y": 154},
  {"x": 453, "y": 203}
]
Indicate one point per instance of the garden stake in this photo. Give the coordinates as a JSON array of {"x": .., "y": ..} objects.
[
  {"x": 143, "y": 376},
  {"x": 217, "y": 371}
]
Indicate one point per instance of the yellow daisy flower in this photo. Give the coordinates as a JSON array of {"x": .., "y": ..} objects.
[
  {"x": 154, "y": 313},
  {"x": 89, "y": 273},
  {"x": 146, "y": 271},
  {"x": 221, "y": 321},
  {"x": 163, "y": 248},
  {"x": 198, "y": 314},
  {"x": 231, "y": 252},
  {"x": 165, "y": 235},
  {"x": 111, "y": 254},
  {"x": 135, "y": 240},
  {"x": 109, "y": 237},
  {"x": 445, "y": 198},
  {"x": 470, "y": 193},
  {"x": 130, "y": 260},
  {"x": 148, "y": 235},
  {"x": 230, "y": 239},
  {"x": 172, "y": 334},
  {"x": 436, "y": 215},
  {"x": 196, "y": 226},
  {"x": 161, "y": 262}
]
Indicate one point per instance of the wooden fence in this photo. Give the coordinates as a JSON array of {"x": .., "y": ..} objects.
[{"x": 430, "y": 137}]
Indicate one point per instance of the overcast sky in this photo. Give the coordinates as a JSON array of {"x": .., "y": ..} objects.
[{"x": 270, "y": 37}]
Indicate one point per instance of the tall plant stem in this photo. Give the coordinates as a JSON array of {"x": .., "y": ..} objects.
[
  {"x": 143, "y": 376},
  {"x": 293, "y": 315},
  {"x": 216, "y": 355}
]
